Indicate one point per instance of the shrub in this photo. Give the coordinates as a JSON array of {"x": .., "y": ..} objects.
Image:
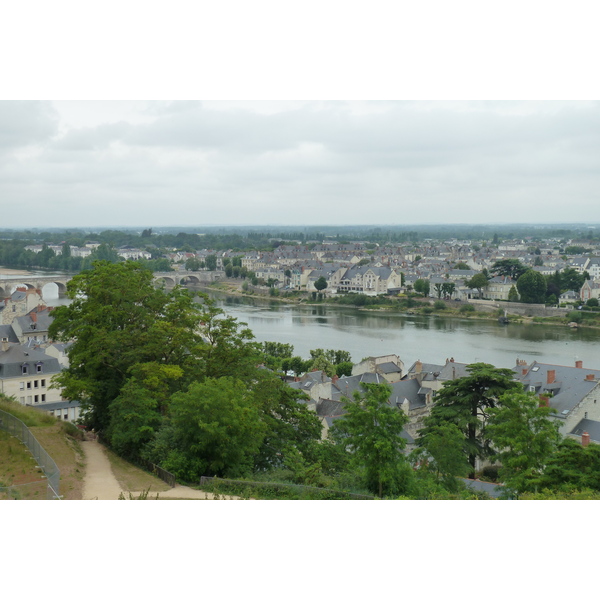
[
  {"x": 592, "y": 302},
  {"x": 467, "y": 308},
  {"x": 439, "y": 305}
]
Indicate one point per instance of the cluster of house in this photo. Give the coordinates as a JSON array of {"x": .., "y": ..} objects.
[
  {"x": 127, "y": 253},
  {"x": 573, "y": 392},
  {"x": 28, "y": 359},
  {"x": 373, "y": 270}
]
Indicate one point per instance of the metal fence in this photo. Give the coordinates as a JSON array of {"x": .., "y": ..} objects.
[
  {"x": 293, "y": 486},
  {"x": 18, "y": 429}
]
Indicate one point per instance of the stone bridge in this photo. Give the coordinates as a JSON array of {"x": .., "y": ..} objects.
[
  {"x": 184, "y": 278},
  {"x": 169, "y": 278},
  {"x": 33, "y": 282}
]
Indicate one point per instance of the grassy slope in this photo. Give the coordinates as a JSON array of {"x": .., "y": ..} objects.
[{"x": 18, "y": 466}]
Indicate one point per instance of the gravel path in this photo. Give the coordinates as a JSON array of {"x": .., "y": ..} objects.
[{"x": 101, "y": 484}]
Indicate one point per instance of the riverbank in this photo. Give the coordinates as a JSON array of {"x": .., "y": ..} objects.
[{"x": 421, "y": 306}]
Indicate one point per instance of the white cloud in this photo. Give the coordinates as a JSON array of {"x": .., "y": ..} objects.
[{"x": 172, "y": 163}]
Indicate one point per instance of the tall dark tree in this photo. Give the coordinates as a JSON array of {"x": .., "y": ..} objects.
[
  {"x": 509, "y": 267},
  {"x": 465, "y": 402}
]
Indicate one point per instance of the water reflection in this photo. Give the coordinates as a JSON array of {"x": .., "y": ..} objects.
[{"x": 430, "y": 338}]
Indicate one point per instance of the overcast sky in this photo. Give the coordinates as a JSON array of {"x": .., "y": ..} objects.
[{"x": 106, "y": 164}]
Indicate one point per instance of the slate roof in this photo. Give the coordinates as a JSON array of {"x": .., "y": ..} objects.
[
  {"x": 346, "y": 386},
  {"x": 12, "y": 359},
  {"x": 592, "y": 427},
  {"x": 568, "y": 389},
  {"x": 6, "y": 331},
  {"x": 410, "y": 390}
]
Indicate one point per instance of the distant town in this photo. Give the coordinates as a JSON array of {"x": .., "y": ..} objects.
[{"x": 548, "y": 276}]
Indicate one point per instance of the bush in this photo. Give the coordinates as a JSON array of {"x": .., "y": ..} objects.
[
  {"x": 592, "y": 302},
  {"x": 467, "y": 308},
  {"x": 439, "y": 305}
]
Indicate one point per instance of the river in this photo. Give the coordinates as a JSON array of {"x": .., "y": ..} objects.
[{"x": 428, "y": 338}]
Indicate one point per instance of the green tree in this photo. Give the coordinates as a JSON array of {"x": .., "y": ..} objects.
[
  {"x": 448, "y": 289},
  {"x": 137, "y": 412},
  {"x": 192, "y": 264},
  {"x": 211, "y": 262},
  {"x": 216, "y": 430},
  {"x": 572, "y": 467},
  {"x": 117, "y": 319},
  {"x": 441, "y": 449},
  {"x": 513, "y": 295},
  {"x": 462, "y": 266},
  {"x": 570, "y": 279},
  {"x": 465, "y": 402},
  {"x": 439, "y": 289},
  {"x": 524, "y": 437},
  {"x": 509, "y": 267},
  {"x": 371, "y": 430},
  {"x": 478, "y": 282},
  {"x": 422, "y": 287},
  {"x": 532, "y": 287},
  {"x": 320, "y": 284}
]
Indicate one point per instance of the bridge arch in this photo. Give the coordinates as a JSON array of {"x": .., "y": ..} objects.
[
  {"x": 61, "y": 288},
  {"x": 166, "y": 280},
  {"x": 193, "y": 279}
]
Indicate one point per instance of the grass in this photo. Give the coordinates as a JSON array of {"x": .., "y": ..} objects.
[
  {"x": 17, "y": 466},
  {"x": 132, "y": 478},
  {"x": 68, "y": 455}
]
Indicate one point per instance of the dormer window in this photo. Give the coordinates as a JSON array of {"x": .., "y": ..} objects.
[
  {"x": 39, "y": 367},
  {"x": 25, "y": 369}
]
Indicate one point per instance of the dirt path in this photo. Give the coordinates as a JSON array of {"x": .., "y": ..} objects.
[{"x": 101, "y": 484}]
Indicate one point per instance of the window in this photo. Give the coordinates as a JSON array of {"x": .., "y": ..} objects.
[
  {"x": 43, "y": 397},
  {"x": 36, "y": 398},
  {"x": 43, "y": 384},
  {"x": 29, "y": 385},
  {"x": 65, "y": 416},
  {"x": 22, "y": 385},
  {"x": 38, "y": 368},
  {"x": 25, "y": 369},
  {"x": 35, "y": 383}
]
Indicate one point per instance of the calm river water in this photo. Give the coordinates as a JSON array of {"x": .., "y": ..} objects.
[{"x": 428, "y": 338}]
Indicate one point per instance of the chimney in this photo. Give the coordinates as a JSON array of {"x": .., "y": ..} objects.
[
  {"x": 452, "y": 359},
  {"x": 5, "y": 344},
  {"x": 585, "y": 439},
  {"x": 589, "y": 377},
  {"x": 334, "y": 379},
  {"x": 579, "y": 364},
  {"x": 418, "y": 366},
  {"x": 524, "y": 371},
  {"x": 544, "y": 401},
  {"x": 33, "y": 316},
  {"x": 551, "y": 376}
]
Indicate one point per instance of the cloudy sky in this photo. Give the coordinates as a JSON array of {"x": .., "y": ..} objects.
[{"x": 84, "y": 163}]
